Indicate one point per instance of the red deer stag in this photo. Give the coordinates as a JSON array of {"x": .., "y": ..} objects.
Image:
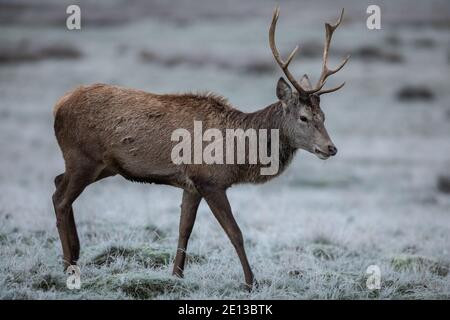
[{"x": 106, "y": 130}]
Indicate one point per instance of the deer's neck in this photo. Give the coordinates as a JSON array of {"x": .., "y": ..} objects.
[{"x": 271, "y": 117}]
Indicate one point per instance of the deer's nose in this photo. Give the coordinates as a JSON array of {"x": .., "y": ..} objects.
[{"x": 332, "y": 150}]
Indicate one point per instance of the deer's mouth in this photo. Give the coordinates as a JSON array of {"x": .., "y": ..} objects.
[{"x": 322, "y": 155}]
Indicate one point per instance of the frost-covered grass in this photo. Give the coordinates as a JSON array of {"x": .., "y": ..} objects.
[
  {"x": 124, "y": 262},
  {"x": 303, "y": 242},
  {"x": 310, "y": 234}
]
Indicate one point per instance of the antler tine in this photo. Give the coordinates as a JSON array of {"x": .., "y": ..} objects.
[
  {"x": 285, "y": 64},
  {"x": 326, "y": 72},
  {"x": 331, "y": 90},
  {"x": 291, "y": 56}
]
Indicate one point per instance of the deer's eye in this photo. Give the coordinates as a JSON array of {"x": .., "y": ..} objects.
[{"x": 303, "y": 119}]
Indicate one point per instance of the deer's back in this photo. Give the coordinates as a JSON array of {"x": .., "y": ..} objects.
[{"x": 130, "y": 130}]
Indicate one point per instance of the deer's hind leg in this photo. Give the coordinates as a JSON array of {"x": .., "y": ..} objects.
[
  {"x": 60, "y": 184},
  {"x": 80, "y": 172},
  {"x": 189, "y": 207}
]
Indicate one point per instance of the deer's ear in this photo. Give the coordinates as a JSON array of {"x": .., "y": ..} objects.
[
  {"x": 305, "y": 83},
  {"x": 284, "y": 91}
]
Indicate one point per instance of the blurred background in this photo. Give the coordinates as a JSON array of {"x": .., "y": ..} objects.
[{"x": 311, "y": 233}]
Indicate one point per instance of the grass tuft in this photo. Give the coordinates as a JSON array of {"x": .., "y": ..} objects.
[
  {"x": 145, "y": 256},
  {"x": 49, "y": 282},
  {"x": 140, "y": 285},
  {"x": 416, "y": 263}
]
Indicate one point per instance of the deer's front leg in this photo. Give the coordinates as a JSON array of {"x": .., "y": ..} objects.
[
  {"x": 218, "y": 202},
  {"x": 189, "y": 208}
]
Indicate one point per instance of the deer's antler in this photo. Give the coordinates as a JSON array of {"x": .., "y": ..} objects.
[
  {"x": 329, "y": 29},
  {"x": 285, "y": 64}
]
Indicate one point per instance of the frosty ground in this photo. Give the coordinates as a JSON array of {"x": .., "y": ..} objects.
[{"x": 310, "y": 233}]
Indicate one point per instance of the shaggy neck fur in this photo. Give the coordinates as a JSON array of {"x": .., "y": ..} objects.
[{"x": 271, "y": 117}]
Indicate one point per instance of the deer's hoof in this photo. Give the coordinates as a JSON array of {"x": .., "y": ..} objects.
[
  {"x": 251, "y": 286},
  {"x": 65, "y": 265}
]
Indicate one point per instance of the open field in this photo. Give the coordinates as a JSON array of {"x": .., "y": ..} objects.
[{"x": 310, "y": 233}]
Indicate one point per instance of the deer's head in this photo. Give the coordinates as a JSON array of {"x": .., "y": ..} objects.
[{"x": 304, "y": 119}]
